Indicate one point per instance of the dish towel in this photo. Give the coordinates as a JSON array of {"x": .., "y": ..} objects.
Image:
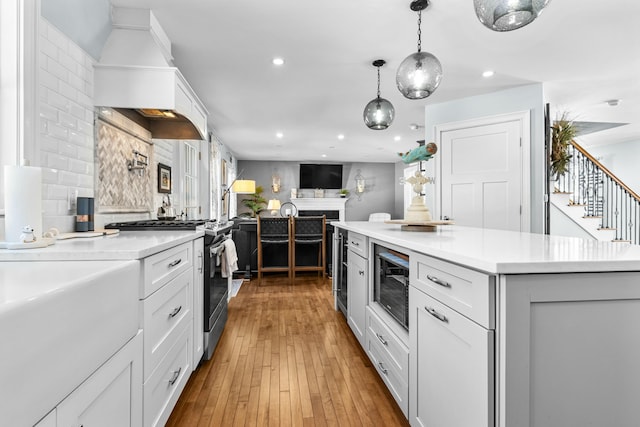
[{"x": 229, "y": 258}]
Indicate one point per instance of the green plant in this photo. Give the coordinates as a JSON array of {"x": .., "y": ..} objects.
[
  {"x": 255, "y": 202},
  {"x": 563, "y": 132},
  {"x": 344, "y": 192}
]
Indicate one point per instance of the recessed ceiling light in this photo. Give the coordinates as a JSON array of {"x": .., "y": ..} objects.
[
  {"x": 324, "y": 155},
  {"x": 613, "y": 102},
  {"x": 341, "y": 136},
  {"x": 277, "y": 61},
  {"x": 279, "y": 135},
  {"x": 397, "y": 138},
  {"x": 488, "y": 73}
]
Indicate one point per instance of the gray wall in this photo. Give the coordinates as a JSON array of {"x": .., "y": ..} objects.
[
  {"x": 379, "y": 195},
  {"x": 88, "y": 23},
  {"x": 521, "y": 98}
]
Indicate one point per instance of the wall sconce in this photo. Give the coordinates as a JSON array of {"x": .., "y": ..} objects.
[
  {"x": 275, "y": 182},
  {"x": 274, "y": 206},
  {"x": 360, "y": 184},
  {"x": 139, "y": 162}
]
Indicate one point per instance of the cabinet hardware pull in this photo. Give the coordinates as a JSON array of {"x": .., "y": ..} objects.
[
  {"x": 361, "y": 272},
  {"x": 381, "y": 338},
  {"x": 439, "y": 282},
  {"x": 355, "y": 243},
  {"x": 174, "y": 263},
  {"x": 201, "y": 258},
  {"x": 175, "y": 376},
  {"x": 440, "y": 317},
  {"x": 382, "y": 368},
  {"x": 175, "y": 311}
]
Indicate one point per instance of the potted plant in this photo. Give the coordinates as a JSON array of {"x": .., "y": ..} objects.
[
  {"x": 343, "y": 192},
  {"x": 254, "y": 202},
  {"x": 563, "y": 132}
]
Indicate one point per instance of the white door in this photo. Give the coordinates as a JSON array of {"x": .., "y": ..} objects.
[{"x": 484, "y": 168}]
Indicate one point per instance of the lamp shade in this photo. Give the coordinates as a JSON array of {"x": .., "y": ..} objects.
[
  {"x": 419, "y": 75},
  {"x": 378, "y": 114},
  {"x": 244, "y": 186},
  {"x": 508, "y": 15},
  {"x": 274, "y": 204}
]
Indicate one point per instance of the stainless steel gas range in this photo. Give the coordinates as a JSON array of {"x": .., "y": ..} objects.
[{"x": 215, "y": 287}]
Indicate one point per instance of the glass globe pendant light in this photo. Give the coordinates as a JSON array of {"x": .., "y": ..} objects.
[
  {"x": 419, "y": 75},
  {"x": 507, "y": 15},
  {"x": 378, "y": 114}
]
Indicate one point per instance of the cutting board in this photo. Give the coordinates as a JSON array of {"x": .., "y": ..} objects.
[{"x": 95, "y": 233}]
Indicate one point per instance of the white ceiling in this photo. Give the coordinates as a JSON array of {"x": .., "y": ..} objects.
[{"x": 584, "y": 51}]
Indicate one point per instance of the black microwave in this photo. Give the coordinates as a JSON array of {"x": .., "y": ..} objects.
[{"x": 391, "y": 285}]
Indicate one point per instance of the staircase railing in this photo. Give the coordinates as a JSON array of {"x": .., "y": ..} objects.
[{"x": 602, "y": 194}]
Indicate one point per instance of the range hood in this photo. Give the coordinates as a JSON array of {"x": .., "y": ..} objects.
[{"x": 136, "y": 76}]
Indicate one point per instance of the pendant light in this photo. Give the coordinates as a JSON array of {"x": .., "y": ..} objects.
[
  {"x": 420, "y": 73},
  {"x": 507, "y": 15},
  {"x": 378, "y": 113}
]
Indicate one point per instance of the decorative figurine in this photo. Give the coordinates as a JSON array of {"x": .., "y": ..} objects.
[
  {"x": 27, "y": 235},
  {"x": 422, "y": 152},
  {"x": 417, "y": 211}
]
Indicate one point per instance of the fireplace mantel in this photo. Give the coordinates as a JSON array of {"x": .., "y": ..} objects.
[{"x": 321, "y": 204}]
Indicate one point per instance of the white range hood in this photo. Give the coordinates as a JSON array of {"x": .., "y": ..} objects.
[{"x": 136, "y": 73}]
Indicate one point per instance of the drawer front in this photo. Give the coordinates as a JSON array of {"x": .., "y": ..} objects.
[
  {"x": 162, "y": 389},
  {"x": 396, "y": 352},
  {"x": 393, "y": 379},
  {"x": 164, "y": 266},
  {"x": 166, "y": 314},
  {"x": 358, "y": 244},
  {"x": 469, "y": 292}
]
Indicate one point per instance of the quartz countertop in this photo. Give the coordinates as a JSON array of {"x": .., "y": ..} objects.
[
  {"x": 506, "y": 252},
  {"x": 126, "y": 245}
]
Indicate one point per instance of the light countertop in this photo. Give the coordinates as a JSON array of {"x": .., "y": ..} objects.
[
  {"x": 126, "y": 245},
  {"x": 506, "y": 252}
]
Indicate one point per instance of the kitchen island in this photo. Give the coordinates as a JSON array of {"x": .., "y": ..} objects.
[{"x": 505, "y": 329}]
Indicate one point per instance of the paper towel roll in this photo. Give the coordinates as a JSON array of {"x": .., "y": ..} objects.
[{"x": 22, "y": 201}]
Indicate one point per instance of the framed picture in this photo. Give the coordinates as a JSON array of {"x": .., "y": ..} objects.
[{"x": 164, "y": 178}]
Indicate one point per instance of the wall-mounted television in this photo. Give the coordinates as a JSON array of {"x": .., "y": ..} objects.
[{"x": 326, "y": 176}]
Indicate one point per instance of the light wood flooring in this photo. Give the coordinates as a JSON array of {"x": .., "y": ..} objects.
[{"x": 286, "y": 357}]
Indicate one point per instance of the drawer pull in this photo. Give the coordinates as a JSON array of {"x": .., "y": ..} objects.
[
  {"x": 355, "y": 243},
  {"x": 381, "y": 339},
  {"x": 439, "y": 282},
  {"x": 175, "y": 312},
  {"x": 361, "y": 272},
  {"x": 174, "y": 263},
  {"x": 382, "y": 368},
  {"x": 175, "y": 376},
  {"x": 201, "y": 263},
  {"x": 440, "y": 317}
]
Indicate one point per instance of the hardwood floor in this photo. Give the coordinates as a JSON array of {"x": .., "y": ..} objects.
[{"x": 286, "y": 357}]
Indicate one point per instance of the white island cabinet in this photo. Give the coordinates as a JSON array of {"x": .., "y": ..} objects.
[
  {"x": 516, "y": 329},
  {"x": 357, "y": 280}
]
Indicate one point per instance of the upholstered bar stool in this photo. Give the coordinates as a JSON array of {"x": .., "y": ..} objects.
[
  {"x": 309, "y": 231},
  {"x": 274, "y": 234}
]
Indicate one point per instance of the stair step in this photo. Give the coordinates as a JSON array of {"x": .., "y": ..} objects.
[
  {"x": 607, "y": 229},
  {"x": 621, "y": 241},
  {"x": 592, "y": 216},
  {"x": 562, "y": 192}
]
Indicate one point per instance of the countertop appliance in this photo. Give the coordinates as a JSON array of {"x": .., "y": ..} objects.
[{"x": 216, "y": 288}]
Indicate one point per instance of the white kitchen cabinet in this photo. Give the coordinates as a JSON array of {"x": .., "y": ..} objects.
[
  {"x": 569, "y": 346},
  {"x": 357, "y": 292},
  {"x": 167, "y": 320},
  {"x": 451, "y": 365},
  {"x": 198, "y": 302},
  {"x": 390, "y": 356},
  {"x": 111, "y": 396}
]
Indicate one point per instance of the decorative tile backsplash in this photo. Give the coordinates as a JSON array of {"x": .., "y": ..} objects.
[{"x": 119, "y": 189}]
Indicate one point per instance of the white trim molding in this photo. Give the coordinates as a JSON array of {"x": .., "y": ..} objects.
[{"x": 322, "y": 204}]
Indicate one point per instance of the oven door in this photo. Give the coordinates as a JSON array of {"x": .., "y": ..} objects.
[{"x": 215, "y": 293}]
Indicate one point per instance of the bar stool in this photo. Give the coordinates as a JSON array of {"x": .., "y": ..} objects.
[
  {"x": 274, "y": 232},
  {"x": 309, "y": 230}
]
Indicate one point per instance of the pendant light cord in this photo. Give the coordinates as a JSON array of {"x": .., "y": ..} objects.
[
  {"x": 419, "y": 31},
  {"x": 378, "y": 81}
]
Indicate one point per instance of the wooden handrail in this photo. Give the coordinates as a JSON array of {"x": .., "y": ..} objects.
[{"x": 606, "y": 171}]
